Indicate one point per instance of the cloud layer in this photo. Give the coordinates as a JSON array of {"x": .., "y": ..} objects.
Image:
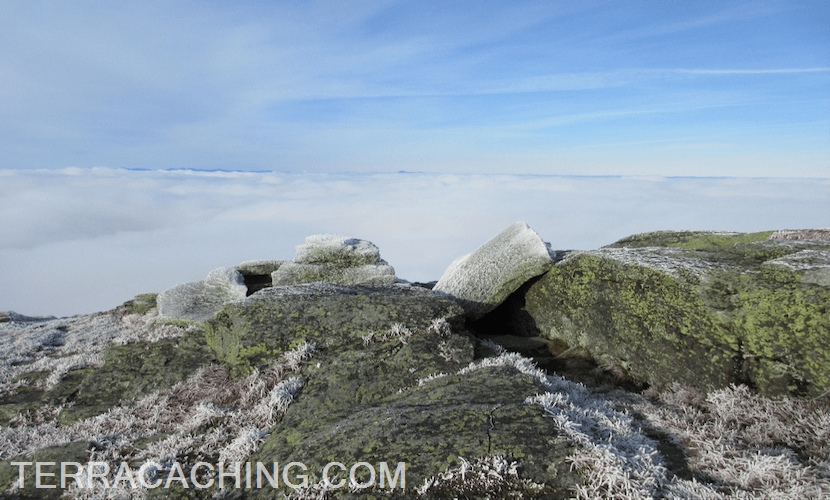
[{"x": 81, "y": 240}]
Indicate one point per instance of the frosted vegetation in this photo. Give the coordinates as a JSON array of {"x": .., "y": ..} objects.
[
  {"x": 736, "y": 444},
  {"x": 61, "y": 345},
  {"x": 232, "y": 418}
]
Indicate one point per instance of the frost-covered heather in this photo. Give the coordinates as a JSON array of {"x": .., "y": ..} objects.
[
  {"x": 239, "y": 414},
  {"x": 750, "y": 446},
  {"x": 65, "y": 344},
  {"x": 486, "y": 477},
  {"x": 740, "y": 445},
  {"x": 402, "y": 333}
]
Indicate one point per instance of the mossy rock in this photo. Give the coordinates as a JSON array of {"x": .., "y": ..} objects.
[
  {"x": 129, "y": 372},
  {"x": 365, "y": 405},
  {"x": 77, "y": 452},
  {"x": 704, "y": 309},
  {"x": 253, "y": 332},
  {"x": 371, "y": 274},
  {"x": 141, "y": 304}
]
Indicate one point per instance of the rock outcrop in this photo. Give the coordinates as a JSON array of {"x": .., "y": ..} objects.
[
  {"x": 335, "y": 259},
  {"x": 485, "y": 278},
  {"x": 257, "y": 273},
  {"x": 247, "y": 333},
  {"x": 403, "y": 384},
  {"x": 8, "y": 316},
  {"x": 703, "y": 309},
  {"x": 200, "y": 300}
]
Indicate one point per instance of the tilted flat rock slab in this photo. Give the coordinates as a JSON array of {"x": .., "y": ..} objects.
[
  {"x": 200, "y": 300},
  {"x": 484, "y": 278},
  {"x": 700, "y": 308}
]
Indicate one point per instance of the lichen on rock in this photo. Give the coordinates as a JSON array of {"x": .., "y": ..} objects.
[
  {"x": 335, "y": 259},
  {"x": 705, "y": 309}
]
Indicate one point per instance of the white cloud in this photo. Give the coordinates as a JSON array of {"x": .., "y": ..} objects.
[{"x": 81, "y": 240}]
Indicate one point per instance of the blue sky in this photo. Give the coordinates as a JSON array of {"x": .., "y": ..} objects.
[
  {"x": 143, "y": 144},
  {"x": 593, "y": 88}
]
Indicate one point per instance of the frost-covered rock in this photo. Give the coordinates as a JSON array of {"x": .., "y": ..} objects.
[
  {"x": 200, "y": 300},
  {"x": 7, "y": 316},
  {"x": 484, "y": 278},
  {"x": 334, "y": 249},
  {"x": 257, "y": 273},
  {"x": 335, "y": 259},
  {"x": 700, "y": 308}
]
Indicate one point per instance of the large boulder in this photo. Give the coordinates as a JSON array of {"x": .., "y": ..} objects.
[
  {"x": 485, "y": 278},
  {"x": 250, "y": 332},
  {"x": 200, "y": 300},
  {"x": 335, "y": 259},
  {"x": 704, "y": 309}
]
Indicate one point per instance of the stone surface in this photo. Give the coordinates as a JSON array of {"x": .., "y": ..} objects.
[
  {"x": 200, "y": 300},
  {"x": 247, "y": 333},
  {"x": 484, "y": 278},
  {"x": 11, "y": 316},
  {"x": 337, "y": 250},
  {"x": 259, "y": 266},
  {"x": 335, "y": 259},
  {"x": 704, "y": 309}
]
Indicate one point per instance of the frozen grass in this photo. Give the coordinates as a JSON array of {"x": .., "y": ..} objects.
[
  {"x": 65, "y": 344},
  {"x": 739, "y": 444},
  {"x": 746, "y": 445},
  {"x": 485, "y": 478},
  {"x": 210, "y": 417},
  {"x": 402, "y": 333}
]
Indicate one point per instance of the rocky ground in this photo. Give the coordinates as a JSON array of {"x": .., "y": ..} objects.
[{"x": 666, "y": 365}]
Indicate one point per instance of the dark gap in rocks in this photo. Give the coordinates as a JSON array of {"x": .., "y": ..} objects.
[
  {"x": 513, "y": 328},
  {"x": 428, "y": 285},
  {"x": 510, "y": 317},
  {"x": 256, "y": 282}
]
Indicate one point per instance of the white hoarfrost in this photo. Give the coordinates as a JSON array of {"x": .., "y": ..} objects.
[
  {"x": 740, "y": 445},
  {"x": 200, "y": 300},
  {"x": 322, "y": 248},
  {"x": 241, "y": 412},
  {"x": 60, "y": 345},
  {"x": 672, "y": 261},
  {"x": 484, "y": 278}
]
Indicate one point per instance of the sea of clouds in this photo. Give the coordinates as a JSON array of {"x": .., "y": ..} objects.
[{"x": 82, "y": 240}]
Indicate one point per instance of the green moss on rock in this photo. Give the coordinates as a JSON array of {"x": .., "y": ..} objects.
[
  {"x": 251, "y": 333},
  {"x": 141, "y": 304},
  {"x": 699, "y": 308}
]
